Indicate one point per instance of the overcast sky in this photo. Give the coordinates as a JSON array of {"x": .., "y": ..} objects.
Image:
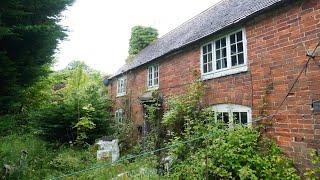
[{"x": 99, "y": 30}]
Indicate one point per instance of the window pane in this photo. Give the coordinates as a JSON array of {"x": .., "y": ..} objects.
[
  {"x": 219, "y": 117},
  {"x": 233, "y": 49},
  {"x": 240, "y": 58},
  {"x": 218, "y": 64},
  {"x": 205, "y": 68},
  {"x": 150, "y": 80},
  {"x": 236, "y": 118},
  {"x": 218, "y": 55},
  {"x": 204, "y": 49},
  {"x": 210, "y": 66},
  {"x": 239, "y": 36},
  {"x": 124, "y": 85},
  {"x": 209, "y": 57},
  {"x": 209, "y": 48},
  {"x": 240, "y": 47},
  {"x": 224, "y": 52},
  {"x": 244, "y": 118},
  {"x": 205, "y": 59},
  {"x": 232, "y": 38},
  {"x": 234, "y": 60},
  {"x": 223, "y": 42},
  {"x": 225, "y": 64},
  {"x": 218, "y": 44},
  {"x": 226, "y": 117}
]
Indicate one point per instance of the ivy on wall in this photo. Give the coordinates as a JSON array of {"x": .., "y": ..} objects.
[{"x": 141, "y": 37}]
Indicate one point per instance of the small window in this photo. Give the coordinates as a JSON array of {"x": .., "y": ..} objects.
[
  {"x": 224, "y": 56},
  {"x": 153, "y": 76},
  {"x": 119, "y": 116},
  {"x": 121, "y": 86},
  {"x": 207, "y": 58},
  {"x": 232, "y": 114}
]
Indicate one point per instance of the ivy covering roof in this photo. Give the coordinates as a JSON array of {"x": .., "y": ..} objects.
[{"x": 216, "y": 18}]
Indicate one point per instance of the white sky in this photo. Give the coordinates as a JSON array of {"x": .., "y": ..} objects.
[{"x": 99, "y": 30}]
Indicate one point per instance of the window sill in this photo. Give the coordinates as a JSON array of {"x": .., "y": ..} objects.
[
  {"x": 153, "y": 88},
  {"x": 120, "y": 95},
  {"x": 222, "y": 73}
]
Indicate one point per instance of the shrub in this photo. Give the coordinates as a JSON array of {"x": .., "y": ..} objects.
[
  {"x": 314, "y": 172},
  {"x": 228, "y": 154},
  {"x": 215, "y": 151},
  {"x": 65, "y": 117}
]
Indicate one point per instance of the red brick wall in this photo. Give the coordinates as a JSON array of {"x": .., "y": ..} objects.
[{"x": 276, "y": 55}]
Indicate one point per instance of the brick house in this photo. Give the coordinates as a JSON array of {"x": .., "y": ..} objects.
[{"x": 249, "y": 53}]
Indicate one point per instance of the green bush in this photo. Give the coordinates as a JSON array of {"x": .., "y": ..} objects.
[
  {"x": 230, "y": 153},
  {"x": 215, "y": 151},
  {"x": 314, "y": 172}
]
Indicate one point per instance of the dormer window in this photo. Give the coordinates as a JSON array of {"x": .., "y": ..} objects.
[
  {"x": 153, "y": 76},
  {"x": 224, "y": 56},
  {"x": 121, "y": 86}
]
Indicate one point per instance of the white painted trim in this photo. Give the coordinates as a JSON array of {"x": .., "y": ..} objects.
[
  {"x": 229, "y": 70},
  {"x": 121, "y": 94},
  {"x": 225, "y": 72}
]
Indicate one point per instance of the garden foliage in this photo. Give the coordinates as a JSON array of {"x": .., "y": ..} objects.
[
  {"x": 215, "y": 151},
  {"x": 77, "y": 110}
]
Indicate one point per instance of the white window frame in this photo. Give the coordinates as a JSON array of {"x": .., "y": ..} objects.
[
  {"x": 119, "y": 116},
  {"x": 231, "y": 108},
  {"x": 121, "y": 86},
  {"x": 229, "y": 70},
  {"x": 153, "y": 67}
]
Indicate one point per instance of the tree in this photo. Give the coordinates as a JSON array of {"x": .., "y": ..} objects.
[
  {"x": 141, "y": 37},
  {"x": 77, "y": 111},
  {"x": 29, "y": 35}
]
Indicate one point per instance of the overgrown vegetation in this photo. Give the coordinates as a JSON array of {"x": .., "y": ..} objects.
[
  {"x": 314, "y": 172},
  {"x": 216, "y": 151},
  {"x": 57, "y": 135},
  {"x": 196, "y": 146},
  {"x": 49, "y": 121},
  {"x": 76, "y": 109}
]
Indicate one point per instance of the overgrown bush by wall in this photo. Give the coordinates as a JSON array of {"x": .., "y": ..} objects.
[{"x": 215, "y": 151}]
